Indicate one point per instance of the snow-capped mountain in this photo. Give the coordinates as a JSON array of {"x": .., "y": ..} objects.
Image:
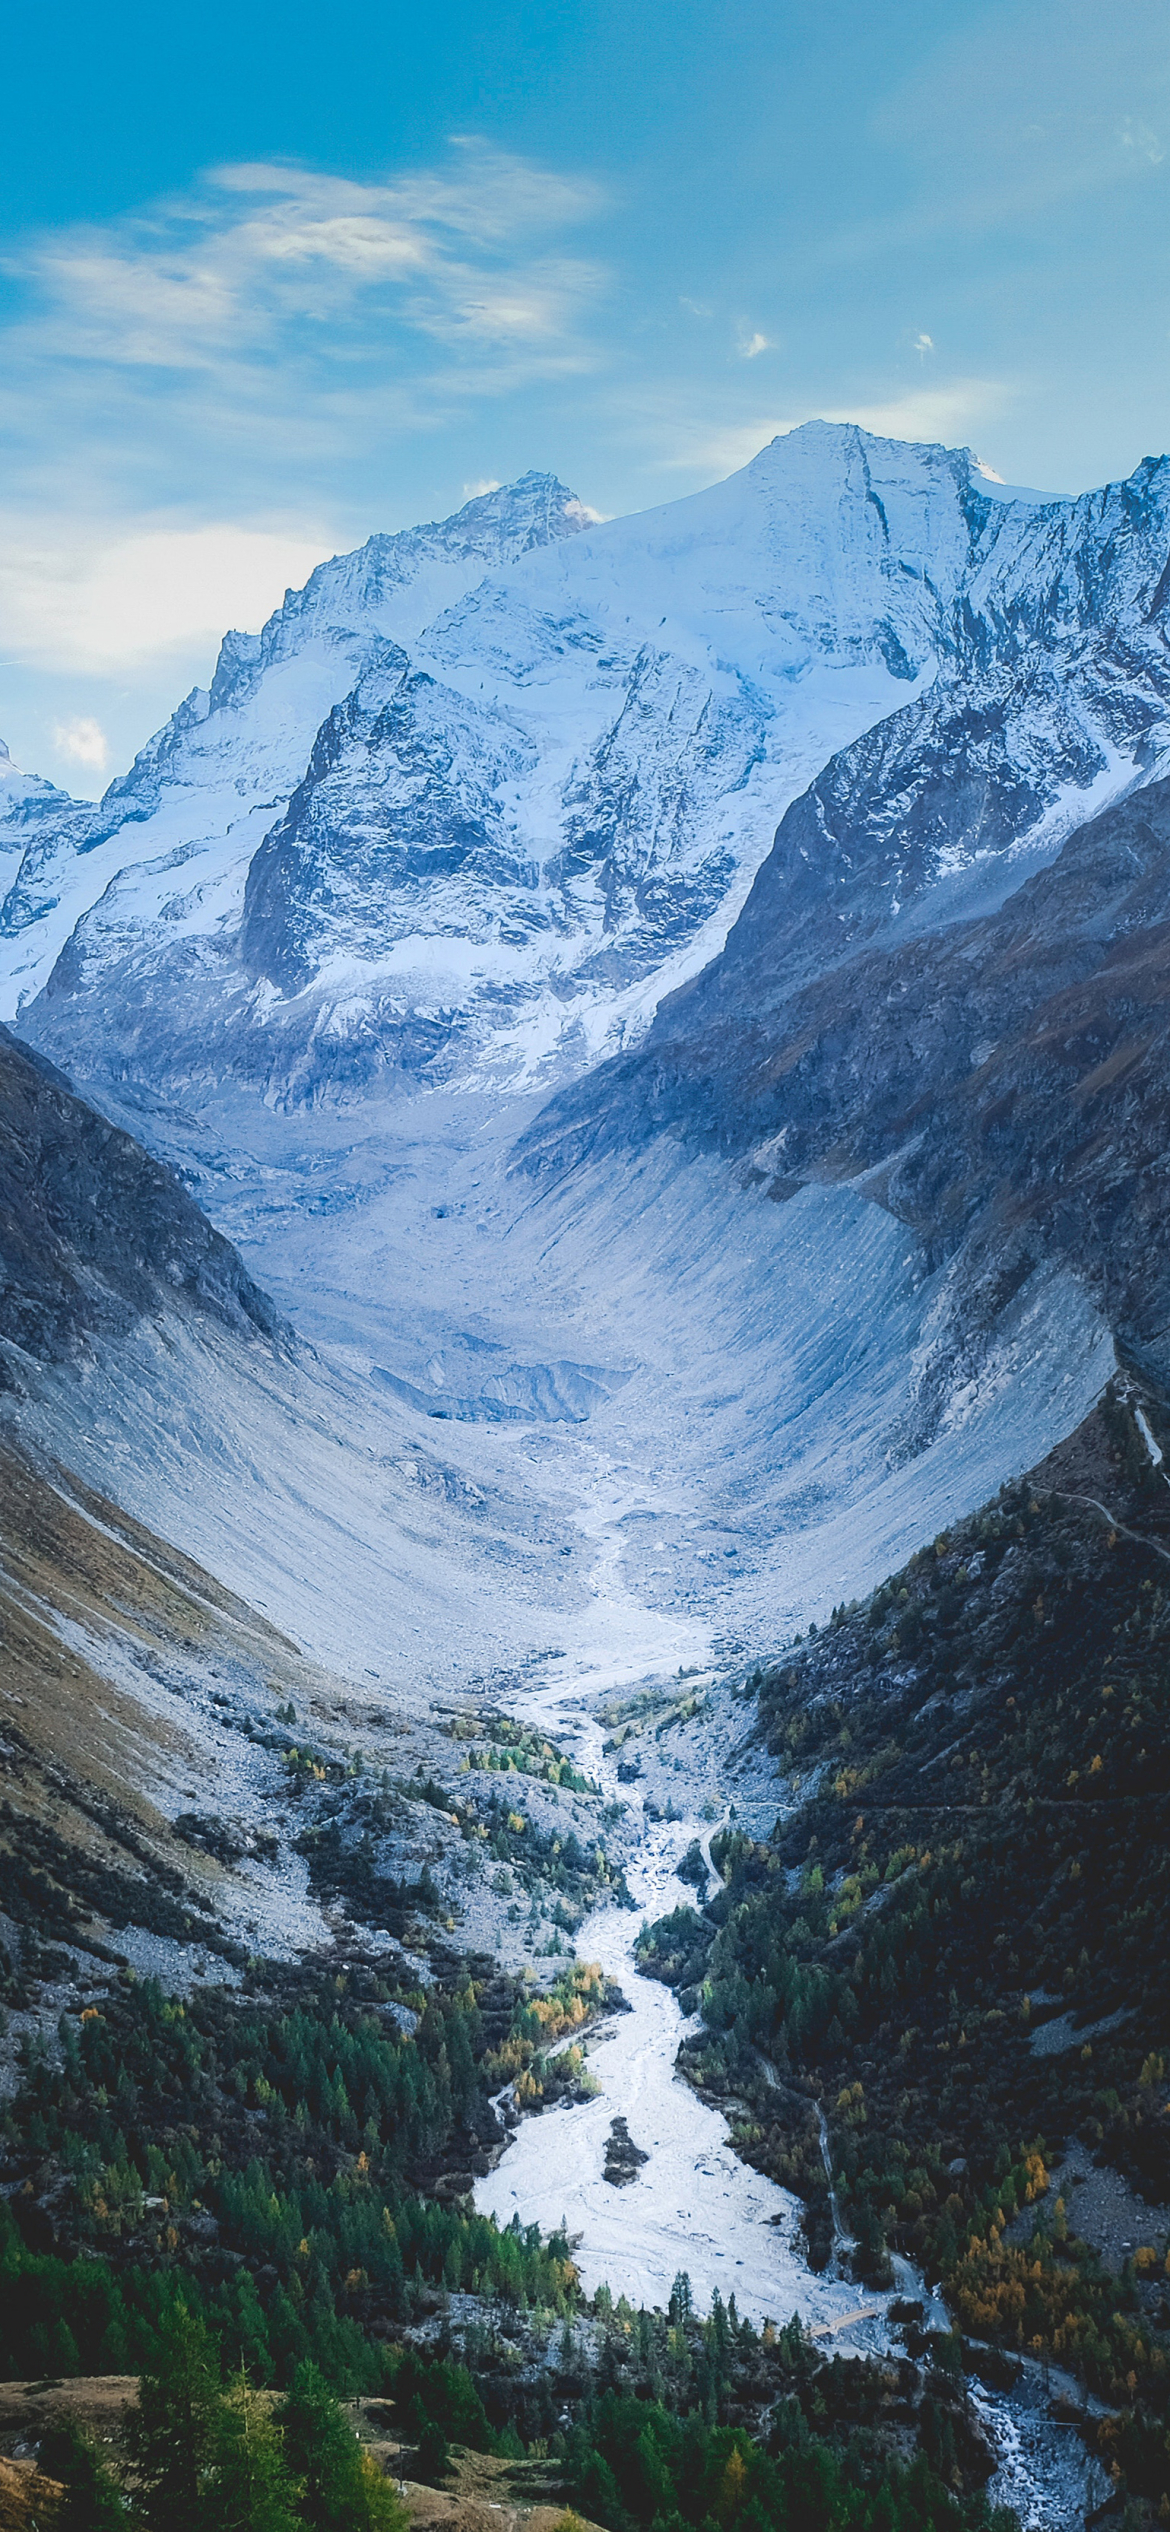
[
  {"x": 479, "y": 792},
  {"x": 813, "y": 1269},
  {"x": 208, "y": 786},
  {"x": 40, "y": 826}
]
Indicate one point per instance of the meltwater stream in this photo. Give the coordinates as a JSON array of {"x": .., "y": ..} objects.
[{"x": 694, "y": 2205}]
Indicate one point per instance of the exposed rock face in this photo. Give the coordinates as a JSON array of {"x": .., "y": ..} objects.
[
  {"x": 404, "y": 789},
  {"x": 93, "y": 1233},
  {"x": 623, "y": 2159},
  {"x": 35, "y": 815}
]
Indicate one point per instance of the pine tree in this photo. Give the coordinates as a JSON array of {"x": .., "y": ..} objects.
[
  {"x": 91, "y": 2502},
  {"x": 252, "y": 2487},
  {"x": 342, "y": 2489},
  {"x": 171, "y": 2434},
  {"x": 432, "y": 2458}
]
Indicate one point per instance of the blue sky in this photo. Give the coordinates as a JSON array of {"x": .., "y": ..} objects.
[{"x": 271, "y": 278}]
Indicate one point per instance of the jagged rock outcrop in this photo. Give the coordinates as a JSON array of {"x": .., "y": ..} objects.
[{"x": 623, "y": 2159}]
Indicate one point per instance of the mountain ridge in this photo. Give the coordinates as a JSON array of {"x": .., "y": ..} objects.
[
  {"x": 652, "y": 693},
  {"x": 339, "y": 610},
  {"x": 998, "y": 1085}
]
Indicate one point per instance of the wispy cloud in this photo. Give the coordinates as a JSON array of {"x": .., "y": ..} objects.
[
  {"x": 276, "y": 326},
  {"x": 930, "y": 413},
  {"x": 1142, "y": 141},
  {"x": 265, "y": 331},
  {"x": 750, "y": 346},
  {"x": 220, "y": 274}
]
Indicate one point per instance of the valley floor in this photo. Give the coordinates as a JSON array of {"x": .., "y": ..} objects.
[{"x": 537, "y": 1478}]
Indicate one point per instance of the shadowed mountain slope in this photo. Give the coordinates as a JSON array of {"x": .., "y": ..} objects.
[
  {"x": 999, "y": 1084},
  {"x": 93, "y": 1232}
]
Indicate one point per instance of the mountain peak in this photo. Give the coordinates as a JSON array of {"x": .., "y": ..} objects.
[
  {"x": 19, "y": 788},
  {"x": 838, "y": 444},
  {"x": 812, "y": 449},
  {"x": 533, "y": 495},
  {"x": 497, "y": 523},
  {"x": 402, "y": 577}
]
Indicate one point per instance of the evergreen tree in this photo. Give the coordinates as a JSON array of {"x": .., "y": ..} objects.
[
  {"x": 432, "y": 2459},
  {"x": 252, "y": 2487},
  {"x": 342, "y": 2489},
  {"x": 91, "y": 2502},
  {"x": 171, "y": 2435}
]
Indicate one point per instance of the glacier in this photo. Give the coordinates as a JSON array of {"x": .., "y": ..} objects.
[{"x": 719, "y": 1439}]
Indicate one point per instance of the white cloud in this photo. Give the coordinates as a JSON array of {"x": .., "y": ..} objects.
[
  {"x": 923, "y": 343},
  {"x": 270, "y": 327},
  {"x": 751, "y": 345},
  {"x": 221, "y": 273},
  {"x": 82, "y": 742},
  {"x": 483, "y": 483},
  {"x": 79, "y": 599}
]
